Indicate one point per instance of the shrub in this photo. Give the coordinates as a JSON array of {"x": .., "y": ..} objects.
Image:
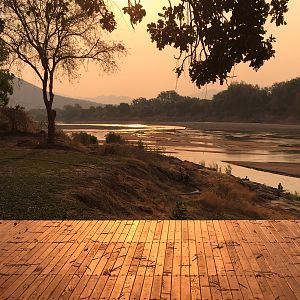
[
  {"x": 114, "y": 138},
  {"x": 179, "y": 211},
  {"x": 141, "y": 144},
  {"x": 15, "y": 119},
  {"x": 84, "y": 138},
  {"x": 228, "y": 170},
  {"x": 202, "y": 163},
  {"x": 293, "y": 196},
  {"x": 215, "y": 167}
]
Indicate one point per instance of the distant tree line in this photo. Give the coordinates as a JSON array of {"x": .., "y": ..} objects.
[{"x": 241, "y": 102}]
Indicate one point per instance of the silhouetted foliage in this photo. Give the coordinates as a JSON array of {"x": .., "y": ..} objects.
[
  {"x": 179, "y": 211},
  {"x": 84, "y": 138},
  {"x": 241, "y": 102},
  {"x": 6, "y": 87},
  {"x": 15, "y": 119},
  {"x": 55, "y": 38},
  {"x": 213, "y": 36},
  {"x": 114, "y": 138},
  {"x": 6, "y": 78}
]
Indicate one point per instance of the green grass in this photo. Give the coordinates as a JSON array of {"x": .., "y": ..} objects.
[
  {"x": 293, "y": 196},
  {"x": 29, "y": 181}
]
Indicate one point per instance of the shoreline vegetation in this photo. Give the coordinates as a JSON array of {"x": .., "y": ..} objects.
[
  {"x": 120, "y": 180},
  {"x": 241, "y": 102}
]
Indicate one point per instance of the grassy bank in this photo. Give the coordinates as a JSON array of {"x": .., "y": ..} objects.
[{"x": 125, "y": 182}]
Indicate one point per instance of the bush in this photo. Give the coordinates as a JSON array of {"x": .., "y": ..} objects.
[
  {"x": 228, "y": 170},
  {"x": 141, "y": 145},
  {"x": 215, "y": 167},
  {"x": 15, "y": 119},
  {"x": 114, "y": 138},
  {"x": 180, "y": 211},
  {"x": 293, "y": 196},
  {"x": 84, "y": 138}
]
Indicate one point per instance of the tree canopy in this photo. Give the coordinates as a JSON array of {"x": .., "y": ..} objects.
[
  {"x": 212, "y": 36},
  {"x": 215, "y": 35}
]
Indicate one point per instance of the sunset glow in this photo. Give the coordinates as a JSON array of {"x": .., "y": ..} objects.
[{"x": 146, "y": 71}]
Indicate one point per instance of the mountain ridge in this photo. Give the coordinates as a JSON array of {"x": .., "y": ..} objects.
[{"x": 30, "y": 96}]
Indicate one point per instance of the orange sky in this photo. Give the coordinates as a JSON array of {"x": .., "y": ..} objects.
[{"x": 146, "y": 71}]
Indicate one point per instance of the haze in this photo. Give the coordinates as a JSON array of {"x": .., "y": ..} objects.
[{"x": 146, "y": 71}]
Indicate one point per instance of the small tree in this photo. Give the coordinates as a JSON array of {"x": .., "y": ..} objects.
[{"x": 55, "y": 37}]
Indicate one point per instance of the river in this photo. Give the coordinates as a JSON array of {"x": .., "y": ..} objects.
[{"x": 212, "y": 144}]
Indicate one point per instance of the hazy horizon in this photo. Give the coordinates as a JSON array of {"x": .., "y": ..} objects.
[{"x": 146, "y": 71}]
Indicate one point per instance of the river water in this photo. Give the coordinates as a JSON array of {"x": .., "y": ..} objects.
[{"x": 200, "y": 144}]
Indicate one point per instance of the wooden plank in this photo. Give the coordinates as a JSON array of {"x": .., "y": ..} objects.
[
  {"x": 159, "y": 265},
  {"x": 286, "y": 274},
  {"x": 79, "y": 280},
  {"x": 61, "y": 286},
  {"x": 176, "y": 280},
  {"x": 117, "y": 262},
  {"x": 141, "y": 271},
  {"x": 27, "y": 268},
  {"x": 185, "y": 284},
  {"x": 22, "y": 249},
  {"x": 168, "y": 262},
  {"x": 45, "y": 267},
  {"x": 193, "y": 263},
  {"x": 231, "y": 281},
  {"x": 251, "y": 253},
  {"x": 236, "y": 245},
  {"x": 68, "y": 264},
  {"x": 90, "y": 287},
  {"x": 117, "y": 292},
  {"x": 202, "y": 262},
  {"x": 151, "y": 263},
  {"x": 262, "y": 256},
  {"x": 236, "y": 277}
]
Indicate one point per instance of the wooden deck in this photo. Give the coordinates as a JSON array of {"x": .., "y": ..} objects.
[{"x": 150, "y": 260}]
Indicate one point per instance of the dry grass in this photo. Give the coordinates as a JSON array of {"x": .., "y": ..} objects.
[
  {"x": 231, "y": 196},
  {"x": 120, "y": 182}
]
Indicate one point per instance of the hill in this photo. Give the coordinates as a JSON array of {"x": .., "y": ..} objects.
[
  {"x": 113, "y": 100},
  {"x": 30, "y": 97}
]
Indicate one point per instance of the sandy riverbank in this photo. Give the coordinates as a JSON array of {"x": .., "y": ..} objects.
[{"x": 289, "y": 169}]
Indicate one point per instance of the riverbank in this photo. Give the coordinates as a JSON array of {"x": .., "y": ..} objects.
[
  {"x": 288, "y": 169},
  {"x": 215, "y": 143},
  {"x": 125, "y": 182}
]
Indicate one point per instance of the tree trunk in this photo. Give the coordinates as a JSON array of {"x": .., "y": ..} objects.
[
  {"x": 51, "y": 114},
  {"x": 48, "y": 100}
]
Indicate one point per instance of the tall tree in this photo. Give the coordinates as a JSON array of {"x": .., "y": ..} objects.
[
  {"x": 6, "y": 78},
  {"x": 55, "y": 37}
]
